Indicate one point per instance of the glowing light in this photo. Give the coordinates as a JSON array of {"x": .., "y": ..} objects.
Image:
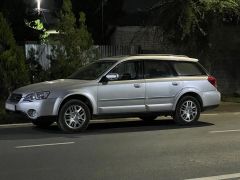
[{"x": 39, "y": 5}]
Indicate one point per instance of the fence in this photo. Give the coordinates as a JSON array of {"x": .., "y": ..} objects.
[
  {"x": 108, "y": 51},
  {"x": 44, "y": 51},
  {"x": 41, "y": 52}
]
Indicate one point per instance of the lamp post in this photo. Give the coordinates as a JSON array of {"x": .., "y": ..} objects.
[
  {"x": 39, "y": 6},
  {"x": 102, "y": 20}
]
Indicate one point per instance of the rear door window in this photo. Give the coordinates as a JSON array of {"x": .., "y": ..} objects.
[
  {"x": 188, "y": 69},
  {"x": 157, "y": 69}
]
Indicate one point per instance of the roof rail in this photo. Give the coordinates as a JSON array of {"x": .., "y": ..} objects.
[{"x": 160, "y": 55}]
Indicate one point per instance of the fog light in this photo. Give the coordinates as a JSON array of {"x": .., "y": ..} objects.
[{"x": 32, "y": 113}]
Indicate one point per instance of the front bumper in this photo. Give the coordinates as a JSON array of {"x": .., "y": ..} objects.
[{"x": 41, "y": 108}]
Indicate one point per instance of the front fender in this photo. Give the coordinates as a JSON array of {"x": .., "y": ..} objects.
[{"x": 87, "y": 94}]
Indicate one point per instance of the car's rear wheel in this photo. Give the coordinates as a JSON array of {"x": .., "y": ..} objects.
[
  {"x": 148, "y": 117},
  {"x": 187, "y": 111},
  {"x": 42, "y": 123},
  {"x": 74, "y": 116}
]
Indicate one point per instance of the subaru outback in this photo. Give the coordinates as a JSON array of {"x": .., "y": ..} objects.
[{"x": 144, "y": 86}]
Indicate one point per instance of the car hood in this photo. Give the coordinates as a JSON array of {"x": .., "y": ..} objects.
[{"x": 60, "y": 84}]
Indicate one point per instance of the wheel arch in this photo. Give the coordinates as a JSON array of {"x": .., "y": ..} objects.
[
  {"x": 194, "y": 94},
  {"x": 80, "y": 97}
]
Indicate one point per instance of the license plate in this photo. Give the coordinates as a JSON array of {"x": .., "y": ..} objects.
[{"x": 10, "y": 107}]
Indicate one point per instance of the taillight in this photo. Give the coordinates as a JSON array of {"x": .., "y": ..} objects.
[{"x": 212, "y": 80}]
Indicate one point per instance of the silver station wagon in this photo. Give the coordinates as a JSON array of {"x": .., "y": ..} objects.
[{"x": 144, "y": 86}]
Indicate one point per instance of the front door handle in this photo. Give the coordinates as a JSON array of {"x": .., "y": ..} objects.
[
  {"x": 137, "y": 85},
  {"x": 175, "y": 83}
]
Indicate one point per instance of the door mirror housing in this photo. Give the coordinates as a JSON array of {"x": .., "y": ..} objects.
[{"x": 112, "y": 76}]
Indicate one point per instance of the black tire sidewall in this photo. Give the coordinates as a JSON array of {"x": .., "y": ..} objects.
[
  {"x": 177, "y": 117},
  {"x": 61, "y": 122}
]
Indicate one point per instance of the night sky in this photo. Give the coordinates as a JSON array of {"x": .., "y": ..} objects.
[
  {"x": 129, "y": 5},
  {"x": 135, "y": 5}
]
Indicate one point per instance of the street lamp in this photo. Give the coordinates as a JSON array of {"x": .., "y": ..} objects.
[
  {"x": 39, "y": 6},
  {"x": 102, "y": 7}
]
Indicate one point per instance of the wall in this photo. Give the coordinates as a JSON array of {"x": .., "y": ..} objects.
[
  {"x": 225, "y": 45},
  {"x": 137, "y": 36}
]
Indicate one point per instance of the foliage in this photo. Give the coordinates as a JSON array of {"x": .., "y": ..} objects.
[
  {"x": 187, "y": 18},
  {"x": 13, "y": 71},
  {"x": 111, "y": 10},
  {"x": 6, "y": 118},
  {"x": 72, "y": 44},
  {"x": 15, "y": 13},
  {"x": 38, "y": 25}
]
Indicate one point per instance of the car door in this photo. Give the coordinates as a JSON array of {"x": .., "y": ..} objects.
[
  {"x": 127, "y": 93},
  {"x": 162, "y": 85}
]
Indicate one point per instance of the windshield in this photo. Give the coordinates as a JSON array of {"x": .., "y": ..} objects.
[{"x": 92, "y": 71}]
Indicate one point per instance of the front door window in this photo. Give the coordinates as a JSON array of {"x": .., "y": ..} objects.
[{"x": 131, "y": 70}]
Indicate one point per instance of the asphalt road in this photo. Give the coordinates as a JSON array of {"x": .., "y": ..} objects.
[{"x": 125, "y": 149}]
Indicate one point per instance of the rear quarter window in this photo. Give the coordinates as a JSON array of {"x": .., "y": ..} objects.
[{"x": 188, "y": 69}]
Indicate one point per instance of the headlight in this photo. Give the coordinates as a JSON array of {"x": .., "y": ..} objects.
[{"x": 37, "y": 96}]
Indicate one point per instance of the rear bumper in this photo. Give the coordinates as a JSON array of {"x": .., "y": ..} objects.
[{"x": 211, "y": 99}]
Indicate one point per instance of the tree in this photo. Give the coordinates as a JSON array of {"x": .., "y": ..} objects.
[
  {"x": 13, "y": 70},
  {"x": 15, "y": 12},
  {"x": 193, "y": 18},
  {"x": 188, "y": 26},
  {"x": 39, "y": 26},
  {"x": 101, "y": 14},
  {"x": 72, "y": 44}
]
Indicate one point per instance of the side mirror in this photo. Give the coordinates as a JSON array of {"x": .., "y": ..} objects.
[{"x": 112, "y": 76}]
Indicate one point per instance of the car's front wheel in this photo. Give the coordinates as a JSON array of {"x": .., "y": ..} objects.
[
  {"x": 74, "y": 116},
  {"x": 187, "y": 111}
]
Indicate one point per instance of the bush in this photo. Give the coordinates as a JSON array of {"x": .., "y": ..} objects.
[
  {"x": 10, "y": 118},
  {"x": 13, "y": 70},
  {"x": 71, "y": 49}
]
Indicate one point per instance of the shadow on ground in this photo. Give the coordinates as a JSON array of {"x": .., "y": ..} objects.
[{"x": 31, "y": 132}]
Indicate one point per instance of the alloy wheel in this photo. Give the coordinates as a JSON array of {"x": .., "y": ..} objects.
[
  {"x": 74, "y": 116},
  {"x": 188, "y": 111}
]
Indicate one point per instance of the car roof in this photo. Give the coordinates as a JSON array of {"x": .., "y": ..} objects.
[{"x": 169, "y": 57}]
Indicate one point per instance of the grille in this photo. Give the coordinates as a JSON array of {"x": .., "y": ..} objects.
[{"x": 15, "y": 98}]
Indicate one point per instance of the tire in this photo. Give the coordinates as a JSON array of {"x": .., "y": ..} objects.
[
  {"x": 148, "y": 117},
  {"x": 42, "y": 123},
  {"x": 187, "y": 111},
  {"x": 74, "y": 116}
]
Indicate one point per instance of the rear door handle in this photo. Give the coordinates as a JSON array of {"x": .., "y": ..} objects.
[
  {"x": 175, "y": 83},
  {"x": 137, "y": 85}
]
